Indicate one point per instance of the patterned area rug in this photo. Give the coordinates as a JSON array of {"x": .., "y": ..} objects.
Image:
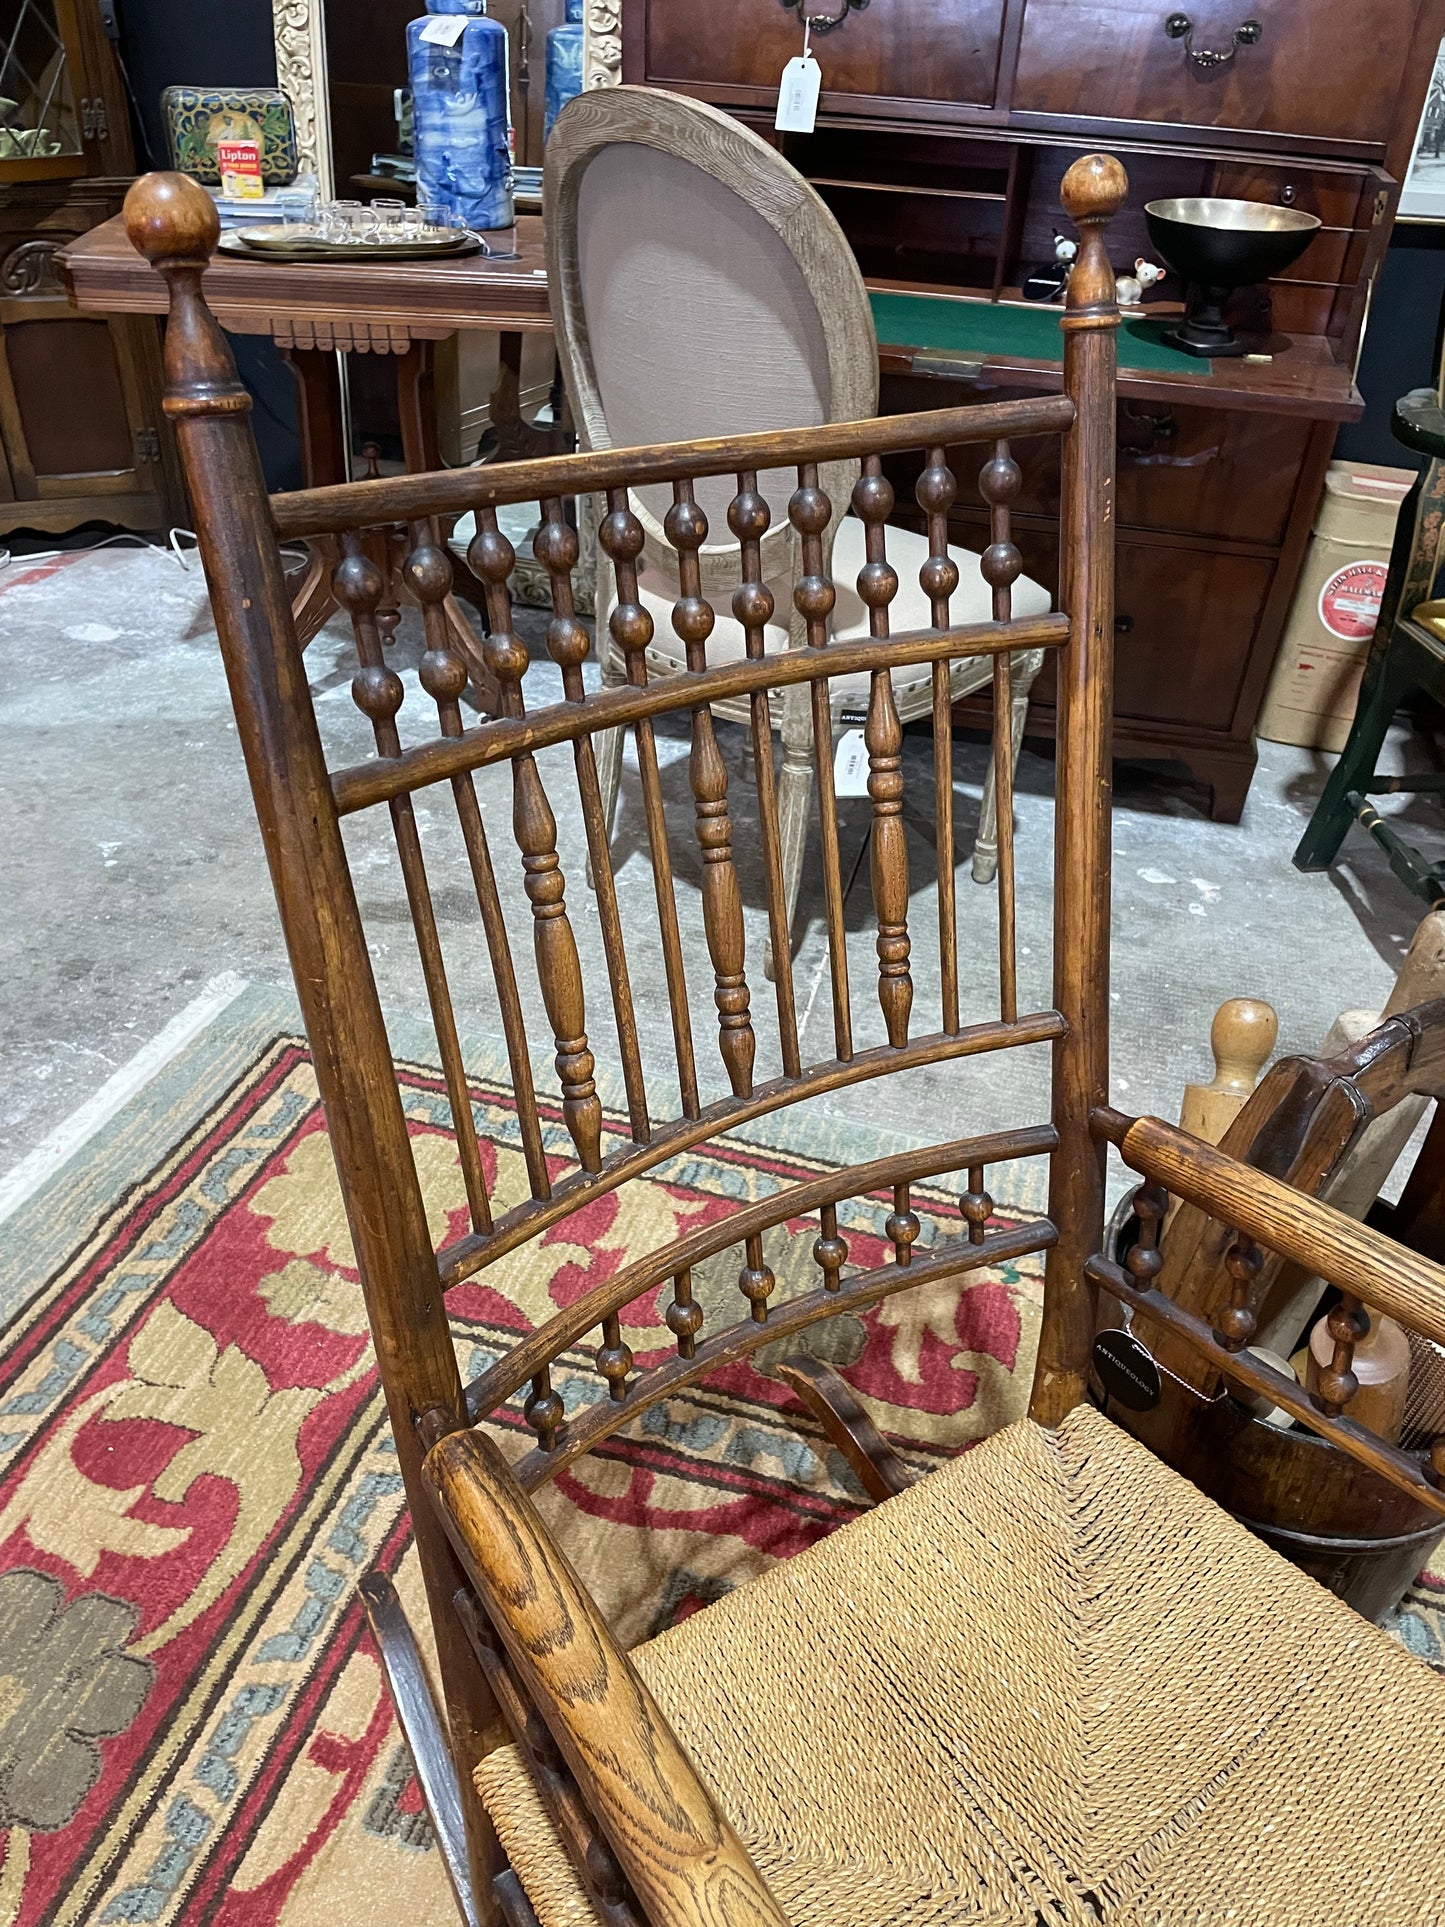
[{"x": 195, "y": 1467}]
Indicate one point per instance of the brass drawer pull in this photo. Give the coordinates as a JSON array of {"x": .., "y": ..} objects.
[
  {"x": 1180, "y": 27},
  {"x": 823, "y": 22}
]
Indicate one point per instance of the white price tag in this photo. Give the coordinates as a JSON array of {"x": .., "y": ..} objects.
[
  {"x": 445, "y": 29},
  {"x": 850, "y": 765},
  {"x": 798, "y": 95}
]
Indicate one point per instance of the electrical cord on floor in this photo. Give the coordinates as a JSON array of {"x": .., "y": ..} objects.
[{"x": 171, "y": 545}]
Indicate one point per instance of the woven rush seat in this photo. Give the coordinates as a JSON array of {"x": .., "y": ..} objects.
[{"x": 1051, "y": 1683}]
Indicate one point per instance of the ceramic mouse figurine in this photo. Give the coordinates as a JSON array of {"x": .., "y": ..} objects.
[{"x": 1131, "y": 287}]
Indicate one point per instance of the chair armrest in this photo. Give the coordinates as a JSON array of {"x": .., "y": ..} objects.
[
  {"x": 684, "y": 1861},
  {"x": 1346, "y": 1254}
]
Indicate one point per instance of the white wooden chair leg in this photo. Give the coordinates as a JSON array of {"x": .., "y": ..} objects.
[
  {"x": 607, "y": 746},
  {"x": 985, "y": 848},
  {"x": 795, "y": 801}
]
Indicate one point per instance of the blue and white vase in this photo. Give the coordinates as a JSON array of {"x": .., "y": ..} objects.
[
  {"x": 462, "y": 116},
  {"x": 564, "y": 64}
]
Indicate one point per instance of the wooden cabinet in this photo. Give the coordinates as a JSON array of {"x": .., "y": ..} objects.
[
  {"x": 82, "y": 435},
  {"x": 929, "y": 52},
  {"x": 945, "y": 132},
  {"x": 1181, "y": 470},
  {"x": 1330, "y": 72}
]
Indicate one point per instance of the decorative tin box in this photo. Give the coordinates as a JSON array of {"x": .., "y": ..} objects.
[{"x": 198, "y": 117}]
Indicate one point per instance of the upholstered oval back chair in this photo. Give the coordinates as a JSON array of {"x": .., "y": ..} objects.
[{"x": 701, "y": 287}]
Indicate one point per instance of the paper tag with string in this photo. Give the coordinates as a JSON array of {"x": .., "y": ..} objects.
[
  {"x": 444, "y": 29},
  {"x": 850, "y": 764},
  {"x": 798, "y": 90}
]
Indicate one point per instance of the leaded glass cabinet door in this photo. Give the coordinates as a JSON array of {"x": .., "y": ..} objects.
[{"x": 47, "y": 113}]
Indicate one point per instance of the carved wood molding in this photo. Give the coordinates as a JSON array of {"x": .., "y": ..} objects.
[
  {"x": 602, "y": 43},
  {"x": 299, "y": 28},
  {"x": 31, "y": 268},
  {"x": 354, "y": 337}
]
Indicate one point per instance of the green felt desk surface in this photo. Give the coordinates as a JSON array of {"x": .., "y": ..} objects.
[{"x": 951, "y": 325}]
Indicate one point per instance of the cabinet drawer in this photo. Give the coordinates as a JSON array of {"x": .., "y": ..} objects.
[
  {"x": 1334, "y": 194},
  {"x": 1330, "y": 73},
  {"x": 926, "y": 50},
  {"x": 1185, "y": 626},
  {"x": 1220, "y": 473}
]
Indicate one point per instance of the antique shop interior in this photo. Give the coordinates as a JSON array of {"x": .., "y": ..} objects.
[{"x": 721, "y": 1192}]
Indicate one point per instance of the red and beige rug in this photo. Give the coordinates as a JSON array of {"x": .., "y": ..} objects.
[{"x": 195, "y": 1468}]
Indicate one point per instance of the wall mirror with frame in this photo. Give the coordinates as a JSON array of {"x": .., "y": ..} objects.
[{"x": 342, "y": 64}]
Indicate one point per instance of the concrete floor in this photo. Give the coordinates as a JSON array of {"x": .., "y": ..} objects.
[{"x": 133, "y": 873}]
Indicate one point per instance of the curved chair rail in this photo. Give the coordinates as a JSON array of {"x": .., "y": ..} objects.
[{"x": 542, "y": 1348}]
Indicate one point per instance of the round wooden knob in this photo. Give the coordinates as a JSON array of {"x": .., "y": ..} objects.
[
  {"x": 1094, "y": 188},
  {"x": 171, "y": 218},
  {"x": 1241, "y": 1037}
]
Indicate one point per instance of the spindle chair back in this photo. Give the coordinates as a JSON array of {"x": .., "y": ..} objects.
[{"x": 523, "y": 1654}]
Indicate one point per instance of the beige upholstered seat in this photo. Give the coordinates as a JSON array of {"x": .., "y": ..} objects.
[
  {"x": 1052, "y": 1684},
  {"x": 972, "y": 601}
]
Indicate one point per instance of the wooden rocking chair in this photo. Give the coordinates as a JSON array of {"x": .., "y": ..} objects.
[{"x": 1051, "y": 1682}]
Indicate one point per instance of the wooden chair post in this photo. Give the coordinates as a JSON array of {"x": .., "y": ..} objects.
[
  {"x": 173, "y": 223},
  {"x": 1093, "y": 190}
]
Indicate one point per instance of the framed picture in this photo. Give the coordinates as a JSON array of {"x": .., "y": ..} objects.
[{"x": 1423, "y": 196}]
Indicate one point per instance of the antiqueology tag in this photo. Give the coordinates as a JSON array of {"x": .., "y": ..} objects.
[
  {"x": 1127, "y": 1370},
  {"x": 798, "y": 90}
]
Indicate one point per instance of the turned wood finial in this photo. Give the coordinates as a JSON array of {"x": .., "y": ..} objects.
[
  {"x": 1092, "y": 193},
  {"x": 171, "y": 220},
  {"x": 1093, "y": 190},
  {"x": 174, "y": 224},
  {"x": 1241, "y": 1037}
]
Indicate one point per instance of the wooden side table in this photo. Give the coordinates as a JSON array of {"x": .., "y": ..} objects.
[{"x": 311, "y": 310}]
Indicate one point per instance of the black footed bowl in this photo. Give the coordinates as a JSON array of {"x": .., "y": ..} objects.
[{"x": 1216, "y": 245}]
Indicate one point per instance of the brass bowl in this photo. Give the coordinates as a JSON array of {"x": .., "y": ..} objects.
[{"x": 1217, "y": 245}]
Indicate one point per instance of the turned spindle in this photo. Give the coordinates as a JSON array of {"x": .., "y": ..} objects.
[
  {"x": 1237, "y": 1321},
  {"x": 543, "y": 1410},
  {"x": 756, "y": 1280},
  {"x": 903, "y": 1226},
  {"x": 684, "y": 1317},
  {"x": 883, "y": 736},
  {"x": 614, "y": 1359},
  {"x": 722, "y": 904},
  {"x": 976, "y": 1206},
  {"x": 830, "y": 1252},
  {"x": 1145, "y": 1260}
]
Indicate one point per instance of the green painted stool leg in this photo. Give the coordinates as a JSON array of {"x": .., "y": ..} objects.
[{"x": 1380, "y": 697}]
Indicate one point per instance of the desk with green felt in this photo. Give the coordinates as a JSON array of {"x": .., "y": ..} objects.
[{"x": 958, "y": 338}]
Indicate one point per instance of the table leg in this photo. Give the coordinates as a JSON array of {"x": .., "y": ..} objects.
[
  {"x": 319, "y": 415},
  {"x": 323, "y": 461},
  {"x": 314, "y": 604},
  {"x": 519, "y": 440}
]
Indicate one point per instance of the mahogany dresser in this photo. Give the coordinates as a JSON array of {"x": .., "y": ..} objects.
[{"x": 944, "y": 130}]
